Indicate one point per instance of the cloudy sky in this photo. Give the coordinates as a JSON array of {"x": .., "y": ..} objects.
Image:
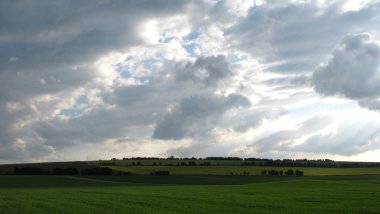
[{"x": 84, "y": 80}]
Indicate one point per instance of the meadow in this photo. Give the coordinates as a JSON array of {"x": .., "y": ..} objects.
[{"x": 189, "y": 194}]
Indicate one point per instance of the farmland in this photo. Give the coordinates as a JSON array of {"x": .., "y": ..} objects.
[
  {"x": 237, "y": 170},
  {"x": 189, "y": 194},
  {"x": 192, "y": 186}
]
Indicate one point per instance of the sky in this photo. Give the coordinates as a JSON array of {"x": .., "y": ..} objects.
[{"x": 97, "y": 79}]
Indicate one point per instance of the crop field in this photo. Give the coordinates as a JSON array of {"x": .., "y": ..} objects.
[
  {"x": 189, "y": 194},
  {"x": 237, "y": 170},
  {"x": 223, "y": 167}
]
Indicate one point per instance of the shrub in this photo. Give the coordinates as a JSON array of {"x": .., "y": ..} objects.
[
  {"x": 289, "y": 172},
  {"x": 70, "y": 171},
  {"x": 31, "y": 171},
  {"x": 97, "y": 171},
  {"x": 299, "y": 173},
  {"x": 124, "y": 173},
  {"x": 57, "y": 171},
  {"x": 161, "y": 172},
  {"x": 273, "y": 172}
]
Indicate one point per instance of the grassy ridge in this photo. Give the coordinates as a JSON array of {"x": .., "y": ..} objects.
[
  {"x": 216, "y": 167},
  {"x": 9, "y": 168},
  {"x": 253, "y": 170},
  {"x": 56, "y": 194}
]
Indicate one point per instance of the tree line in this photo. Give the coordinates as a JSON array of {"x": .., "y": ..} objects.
[
  {"x": 193, "y": 161},
  {"x": 63, "y": 171},
  {"x": 289, "y": 172}
]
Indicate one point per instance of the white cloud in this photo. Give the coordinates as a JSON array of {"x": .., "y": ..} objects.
[
  {"x": 205, "y": 77},
  {"x": 294, "y": 37},
  {"x": 59, "y": 65}
]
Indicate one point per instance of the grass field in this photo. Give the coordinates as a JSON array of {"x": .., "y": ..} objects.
[{"x": 189, "y": 194}]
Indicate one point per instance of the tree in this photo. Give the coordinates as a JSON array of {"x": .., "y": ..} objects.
[
  {"x": 299, "y": 173},
  {"x": 70, "y": 171},
  {"x": 272, "y": 172},
  {"x": 57, "y": 171},
  {"x": 289, "y": 172}
]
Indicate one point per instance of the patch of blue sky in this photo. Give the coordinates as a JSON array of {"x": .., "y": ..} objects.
[
  {"x": 191, "y": 36},
  {"x": 74, "y": 111},
  {"x": 82, "y": 99},
  {"x": 190, "y": 48},
  {"x": 70, "y": 112},
  {"x": 233, "y": 58},
  {"x": 142, "y": 80},
  {"x": 123, "y": 71},
  {"x": 166, "y": 39}
]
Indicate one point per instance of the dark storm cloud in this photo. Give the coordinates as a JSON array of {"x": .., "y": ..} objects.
[
  {"x": 247, "y": 120},
  {"x": 206, "y": 70},
  {"x": 372, "y": 104},
  {"x": 45, "y": 39},
  {"x": 353, "y": 71},
  {"x": 17, "y": 142},
  {"x": 140, "y": 110},
  {"x": 132, "y": 107},
  {"x": 197, "y": 116},
  {"x": 49, "y": 48}
]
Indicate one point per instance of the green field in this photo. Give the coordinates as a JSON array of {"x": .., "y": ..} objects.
[
  {"x": 220, "y": 187},
  {"x": 189, "y": 194}
]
